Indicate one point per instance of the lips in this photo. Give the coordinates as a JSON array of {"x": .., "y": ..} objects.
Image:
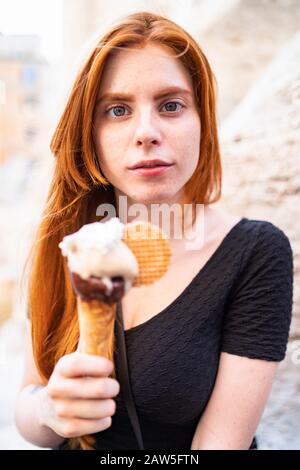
[{"x": 150, "y": 164}]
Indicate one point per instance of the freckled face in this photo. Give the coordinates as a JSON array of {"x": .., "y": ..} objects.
[{"x": 157, "y": 119}]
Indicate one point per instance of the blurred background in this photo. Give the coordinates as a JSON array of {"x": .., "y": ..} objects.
[{"x": 254, "y": 49}]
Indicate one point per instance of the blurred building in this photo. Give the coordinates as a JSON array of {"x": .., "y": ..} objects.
[
  {"x": 25, "y": 115},
  {"x": 22, "y": 110}
]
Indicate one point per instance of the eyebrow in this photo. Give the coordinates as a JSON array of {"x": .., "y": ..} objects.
[{"x": 172, "y": 90}]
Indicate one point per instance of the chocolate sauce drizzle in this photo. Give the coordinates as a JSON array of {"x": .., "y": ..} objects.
[{"x": 94, "y": 288}]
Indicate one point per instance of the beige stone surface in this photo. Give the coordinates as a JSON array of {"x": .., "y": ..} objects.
[
  {"x": 241, "y": 43},
  {"x": 261, "y": 154}
]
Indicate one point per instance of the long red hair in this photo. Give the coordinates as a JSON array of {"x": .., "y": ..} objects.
[{"x": 78, "y": 185}]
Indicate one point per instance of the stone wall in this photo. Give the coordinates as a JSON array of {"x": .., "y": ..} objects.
[{"x": 261, "y": 153}]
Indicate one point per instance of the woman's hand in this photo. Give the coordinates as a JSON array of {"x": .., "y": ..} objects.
[{"x": 78, "y": 398}]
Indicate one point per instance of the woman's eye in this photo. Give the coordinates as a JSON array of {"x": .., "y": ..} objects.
[
  {"x": 171, "y": 106},
  {"x": 117, "y": 111}
]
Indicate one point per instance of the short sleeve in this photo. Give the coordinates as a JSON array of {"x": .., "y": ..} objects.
[{"x": 258, "y": 314}]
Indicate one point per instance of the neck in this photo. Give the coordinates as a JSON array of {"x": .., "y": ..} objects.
[{"x": 174, "y": 217}]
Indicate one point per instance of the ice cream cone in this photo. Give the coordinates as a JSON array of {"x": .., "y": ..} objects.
[
  {"x": 144, "y": 260},
  {"x": 96, "y": 325}
]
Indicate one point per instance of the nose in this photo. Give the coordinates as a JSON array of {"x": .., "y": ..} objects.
[{"x": 147, "y": 132}]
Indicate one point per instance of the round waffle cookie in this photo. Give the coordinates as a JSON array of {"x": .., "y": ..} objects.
[{"x": 151, "y": 249}]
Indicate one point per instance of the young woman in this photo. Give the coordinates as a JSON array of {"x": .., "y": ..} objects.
[{"x": 204, "y": 341}]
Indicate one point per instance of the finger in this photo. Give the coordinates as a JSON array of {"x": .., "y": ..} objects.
[
  {"x": 78, "y": 365},
  {"x": 82, "y": 427},
  {"x": 85, "y": 409},
  {"x": 87, "y": 387}
]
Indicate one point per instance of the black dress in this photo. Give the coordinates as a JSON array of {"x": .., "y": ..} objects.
[{"x": 240, "y": 302}]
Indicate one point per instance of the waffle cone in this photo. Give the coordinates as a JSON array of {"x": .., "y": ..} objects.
[
  {"x": 151, "y": 249},
  {"x": 96, "y": 323}
]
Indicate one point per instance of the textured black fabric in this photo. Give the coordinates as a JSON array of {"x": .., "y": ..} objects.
[{"x": 240, "y": 302}]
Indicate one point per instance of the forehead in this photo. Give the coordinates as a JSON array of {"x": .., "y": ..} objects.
[{"x": 129, "y": 69}]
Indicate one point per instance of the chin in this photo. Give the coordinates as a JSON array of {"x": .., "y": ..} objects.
[{"x": 152, "y": 198}]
